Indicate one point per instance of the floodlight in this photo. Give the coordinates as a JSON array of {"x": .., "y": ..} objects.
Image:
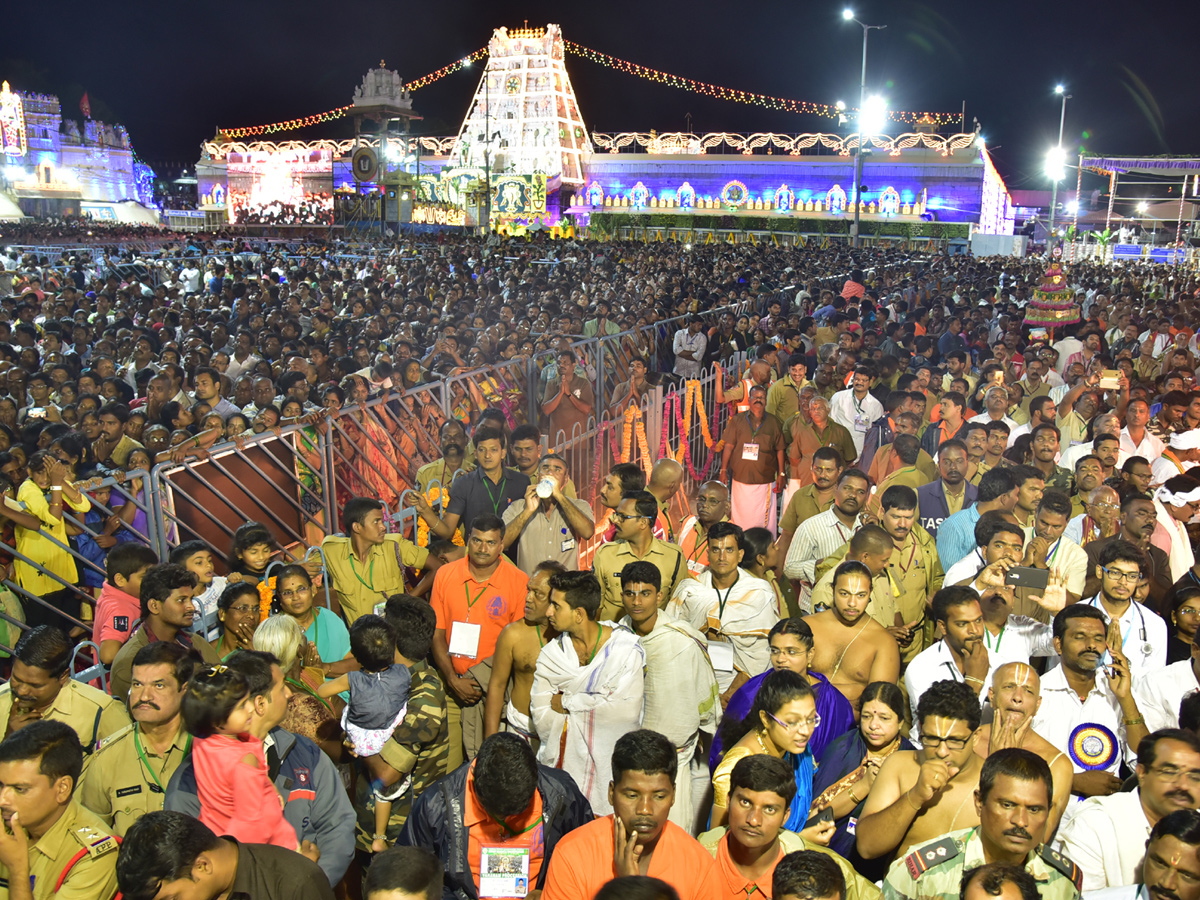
[
  {"x": 872, "y": 118},
  {"x": 847, "y": 14},
  {"x": 1056, "y": 159}
]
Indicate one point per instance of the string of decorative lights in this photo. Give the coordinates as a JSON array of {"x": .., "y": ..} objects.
[
  {"x": 688, "y": 84},
  {"x": 331, "y": 115},
  {"x": 748, "y": 97}
]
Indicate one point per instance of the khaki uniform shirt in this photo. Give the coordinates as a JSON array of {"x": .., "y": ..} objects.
[
  {"x": 120, "y": 786},
  {"x": 360, "y": 584},
  {"x": 611, "y": 558},
  {"x": 783, "y": 399},
  {"x": 121, "y": 675},
  {"x": 934, "y": 871},
  {"x": 93, "y": 877},
  {"x": 802, "y": 507},
  {"x": 92, "y": 713}
]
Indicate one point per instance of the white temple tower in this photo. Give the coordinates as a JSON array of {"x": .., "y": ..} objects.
[{"x": 526, "y": 104}]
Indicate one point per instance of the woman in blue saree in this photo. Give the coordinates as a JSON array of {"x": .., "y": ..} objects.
[
  {"x": 849, "y": 766},
  {"x": 780, "y": 724}
]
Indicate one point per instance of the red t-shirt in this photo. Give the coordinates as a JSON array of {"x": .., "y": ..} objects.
[{"x": 116, "y": 611}]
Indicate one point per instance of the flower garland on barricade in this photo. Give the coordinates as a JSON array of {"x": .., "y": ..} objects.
[
  {"x": 622, "y": 452},
  {"x": 266, "y": 595},
  {"x": 692, "y": 399}
]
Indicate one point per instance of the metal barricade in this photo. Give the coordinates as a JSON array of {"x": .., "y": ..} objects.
[
  {"x": 87, "y": 545},
  {"x": 278, "y": 478}
]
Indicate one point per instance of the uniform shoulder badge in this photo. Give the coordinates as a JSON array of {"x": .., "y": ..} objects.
[
  {"x": 1062, "y": 865},
  {"x": 114, "y": 737},
  {"x": 925, "y": 858},
  {"x": 96, "y": 843}
]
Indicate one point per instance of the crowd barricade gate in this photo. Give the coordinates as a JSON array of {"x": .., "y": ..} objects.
[
  {"x": 97, "y": 671},
  {"x": 277, "y": 478},
  {"x": 505, "y": 385}
]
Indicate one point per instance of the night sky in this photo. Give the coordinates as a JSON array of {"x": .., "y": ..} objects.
[{"x": 172, "y": 73}]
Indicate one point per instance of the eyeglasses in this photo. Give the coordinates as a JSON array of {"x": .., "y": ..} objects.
[
  {"x": 813, "y": 722},
  {"x": 621, "y": 517},
  {"x": 1127, "y": 577},
  {"x": 242, "y": 609},
  {"x": 789, "y": 652},
  {"x": 1173, "y": 773},
  {"x": 932, "y": 742},
  {"x": 1187, "y": 611}
]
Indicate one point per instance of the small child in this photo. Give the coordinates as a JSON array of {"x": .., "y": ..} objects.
[
  {"x": 118, "y": 607},
  {"x": 378, "y": 703},
  {"x": 253, "y": 547},
  {"x": 236, "y": 795},
  {"x": 198, "y": 559}
]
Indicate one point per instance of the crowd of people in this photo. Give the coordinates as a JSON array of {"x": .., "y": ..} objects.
[
  {"x": 923, "y": 622},
  {"x": 312, "y": 209}
]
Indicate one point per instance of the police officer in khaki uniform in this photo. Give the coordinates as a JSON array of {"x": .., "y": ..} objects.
[
  {"x": 127, "y": 776},
  {"x": 1013, "y": 803},
  {"x": 42, "y": 688},
  {"x": 50, "y": 846}
]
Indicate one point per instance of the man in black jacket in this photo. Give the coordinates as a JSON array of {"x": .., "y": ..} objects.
[{"x": 498, "y": 818}]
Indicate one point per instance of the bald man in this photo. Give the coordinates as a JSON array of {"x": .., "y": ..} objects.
[
  {"x": 712, "y": 506},
  {"x": 1098, "y": 518},
  {"x": 665, "y": 480},
  {"x": 1015, "y": 694}
]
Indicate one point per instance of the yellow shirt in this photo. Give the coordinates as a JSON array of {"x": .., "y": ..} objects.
[
  {"x": 93, "y": 877},
  {"x": 611, "y": 558},
  {"x": 92, "y": 713},
  {"x": 119, "y": 784},
  {"x": 50, "y": 556},
  {"x": 360, "y": 584}
]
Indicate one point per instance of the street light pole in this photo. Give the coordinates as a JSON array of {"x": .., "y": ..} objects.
[
  {"x": 1062, "y": 120},
  {"x": 849, "y": 16}
]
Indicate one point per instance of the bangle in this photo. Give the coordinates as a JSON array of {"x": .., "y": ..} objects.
[
  {"x": 978, "y": 681},
  {"x": 908, "y": 797},
  {"x": 54, "y": 488},
  {"x": 855, "y": 800},
  {"x": 1138, "y": 721},
  {"x": 379, "y": 837}
]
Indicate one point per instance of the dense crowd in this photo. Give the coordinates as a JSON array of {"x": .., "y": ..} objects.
[{"x": 924, "y": 624}]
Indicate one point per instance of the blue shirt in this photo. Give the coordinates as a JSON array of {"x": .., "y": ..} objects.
[{"x": 956, "y": 535}]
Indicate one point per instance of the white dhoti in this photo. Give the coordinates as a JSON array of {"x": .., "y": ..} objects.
[
  {"x": 603, "y": 700},
  {"x": 753, "y": 506},
  {"x": 518, "y": 722}
]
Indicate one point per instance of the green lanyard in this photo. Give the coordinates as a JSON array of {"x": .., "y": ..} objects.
[
  {"x": 754, "y": 431},
  {"x": 487, "y": 483},
  {"x": 512, "y": 833},
  {"x": 157, "y": 787},
  {"x": 470, "y": 602},
  {"x": 370, "y": 573}
]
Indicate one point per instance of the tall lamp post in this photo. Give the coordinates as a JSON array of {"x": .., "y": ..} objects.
[
  {"x": 1056, "y": 159},
  {"x": 848, "y": 15}
]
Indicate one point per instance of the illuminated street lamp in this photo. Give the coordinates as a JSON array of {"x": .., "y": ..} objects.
[
  {"x": 848, "y": 15},
  {"x": 1057, "y": 158}
]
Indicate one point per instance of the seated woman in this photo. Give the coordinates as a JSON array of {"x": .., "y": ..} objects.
[
  {"x": 791, "y": 642},
  {"x": 850, "y": 765},
  {"x": 238, "y": 613},
  {"x": 324, "y": 631},
  {"x": 780, "y": 724}
]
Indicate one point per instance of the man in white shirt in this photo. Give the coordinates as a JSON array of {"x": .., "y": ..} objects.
[
  {"x": 1160, "y": 691},
  {"x": 1087, "y": 713},
  {"x": 1172, "y": 862},
  {"x": 732, "y": 608},
  {"x": 1143, "y": 631},
  {"x": 1105, "y": 423},
  {"x": 1048, "y": 548},
  {"x": 1106, "y": 837},
  {"x": 825, "y": 532},
  {"x": 961, "y": 654},
  {"x": 1136, "y": 439},
  {"x": 855, "y": 408},
  {"x": 689, "y": 346}
]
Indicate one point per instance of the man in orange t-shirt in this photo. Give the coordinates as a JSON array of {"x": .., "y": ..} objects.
[
  {"x": 473, "y": 599},
  {"x": 637, "y": 839}
]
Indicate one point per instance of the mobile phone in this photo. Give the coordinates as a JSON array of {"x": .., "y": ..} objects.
[
  {"x": 825, "y": 815},
  {"x": 1110, "y": 380},
  {"x": 37, "y": 412},
  {"x": 1027, "y": 577}
]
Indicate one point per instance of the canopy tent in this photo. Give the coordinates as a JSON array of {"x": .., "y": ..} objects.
[{"x": 1184, "y": 168}]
